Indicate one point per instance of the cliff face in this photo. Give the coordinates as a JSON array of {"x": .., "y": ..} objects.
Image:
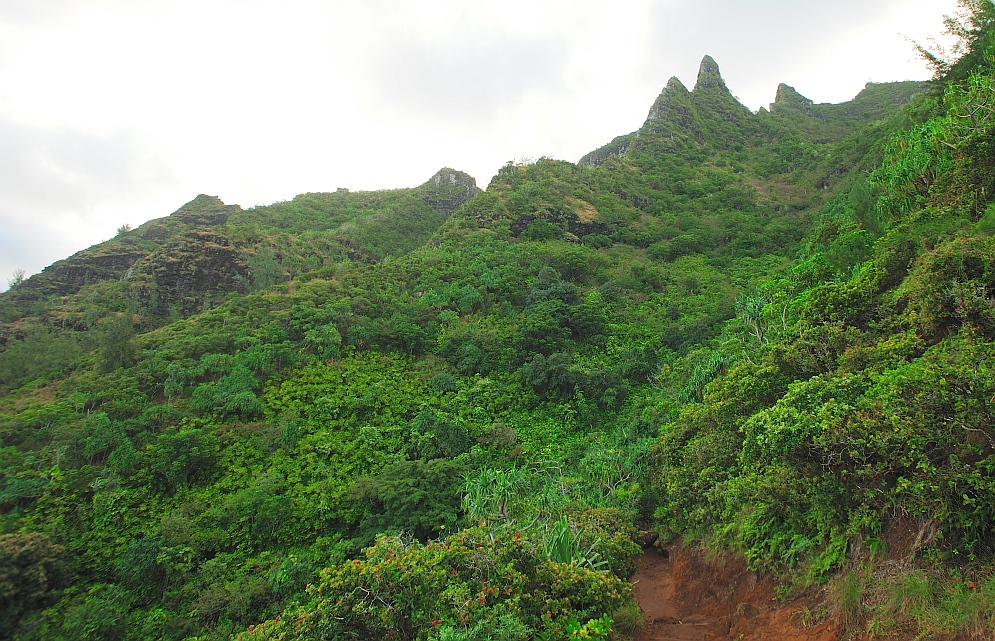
[
  {"x": 615, "y": 149},
  {"x": 184, "y": 273},
  {"x": 116, "y": 259}
]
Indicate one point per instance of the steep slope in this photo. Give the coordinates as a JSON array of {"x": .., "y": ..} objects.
[
  {"x": 709, "y": 119},
  {"x": 856, "y": 435},
  {"x": 507, "y": 369},
  {"x": 206, "y": 249},
  {"x": 192, "y": 260}
]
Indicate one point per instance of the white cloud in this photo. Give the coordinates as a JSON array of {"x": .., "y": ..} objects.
[
  {"x": 120, "y": 111},
  {"x": 61, "y": 190}
]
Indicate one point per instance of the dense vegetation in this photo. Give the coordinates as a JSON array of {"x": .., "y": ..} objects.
[{"x": 441, "y": 414}]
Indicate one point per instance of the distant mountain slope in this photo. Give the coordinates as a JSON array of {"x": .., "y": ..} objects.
[
  {"x": 702, "y": 176},
  {"x": 206, "y": 249}
]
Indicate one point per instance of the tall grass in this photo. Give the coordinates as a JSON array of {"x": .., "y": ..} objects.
[
  {"x": 934, "y": 604},
  {"x": 846, "y": 593}
]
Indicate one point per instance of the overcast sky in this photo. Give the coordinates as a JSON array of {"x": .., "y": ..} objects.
[{"x": 118, "y": 111}]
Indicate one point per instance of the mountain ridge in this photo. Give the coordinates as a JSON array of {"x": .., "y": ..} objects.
[
  {"x": 195, "y": 254},
  {"x": 451, "y": 414},
  {"x": 676, "y": 107}
]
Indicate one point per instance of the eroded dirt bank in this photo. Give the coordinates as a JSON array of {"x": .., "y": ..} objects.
[{"x": 686, "y": 598}]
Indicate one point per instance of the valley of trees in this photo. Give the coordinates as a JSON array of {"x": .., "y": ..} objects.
[{"x": 445, "y": 413}]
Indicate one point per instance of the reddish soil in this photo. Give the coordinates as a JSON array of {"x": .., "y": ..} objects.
[{"x": 686, "y": 598}]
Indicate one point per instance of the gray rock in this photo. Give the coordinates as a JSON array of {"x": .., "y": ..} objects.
[
  {"x": 647, "y": 539},
  {"x": 709, "y": 76}
]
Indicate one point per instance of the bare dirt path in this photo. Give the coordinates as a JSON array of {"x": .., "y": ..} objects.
[
  {"x": 686, "y": 598},
  {"x": 653, "y": 585}
]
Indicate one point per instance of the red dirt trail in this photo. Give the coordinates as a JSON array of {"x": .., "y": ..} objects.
[{"x": 686, "y": 598}]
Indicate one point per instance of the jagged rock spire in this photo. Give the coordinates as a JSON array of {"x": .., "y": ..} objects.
[
  {"x": 675, "y": 85},
  {"x": 673, "y": 89},
  {"x": 709, "y": 76}
]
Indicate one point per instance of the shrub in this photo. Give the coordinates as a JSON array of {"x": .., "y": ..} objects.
[
  {"x": 30, "y": 569},
  {"x": 469, "y": 581}
]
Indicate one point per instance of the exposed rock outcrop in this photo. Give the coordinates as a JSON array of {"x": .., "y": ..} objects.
[
  {"x": 709, "y": 76},
  {"x": 186, "y": 272},
  {"x": 204, "y": 211},
  {"x": 448, "y": 189},
  {"x": 662, "y": 106},
  {"x": 787, "y": 97},
  {"x": 615, "y": 149}
]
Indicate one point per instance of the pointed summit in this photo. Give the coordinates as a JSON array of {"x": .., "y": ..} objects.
[
  {"x": 709, "y": 76},
  {"x": 673, "y": 89},
  {"x": 787, "y": 96},
  {"x": 675, "y": 84}
]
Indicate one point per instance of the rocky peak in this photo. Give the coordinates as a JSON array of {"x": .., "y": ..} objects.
[
  {"x": 674, "y": 85},
  {"x": 673, "y": 89},
  {"x": 448, "y": 189},
  {"x": 709, "y": 76},
  {"x": 787, "y": 96},
  {"x": 449, "y": 178},
  {"x": 205, "y": 210}
]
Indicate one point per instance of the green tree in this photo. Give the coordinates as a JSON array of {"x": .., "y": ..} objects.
[
  {"x": 15, "y": 279},
  {"x": 99, "y": 613},
  {"x": 31, "y": 567},
  {"x": 421, "y": 498},
  {"x": 179, "y": 456},
  {"x": 115, "y": 340}
]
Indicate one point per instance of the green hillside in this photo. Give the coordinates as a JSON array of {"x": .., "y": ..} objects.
[
  {"x": 193, "y": 258},
  {"x": 440, "y": 413}
]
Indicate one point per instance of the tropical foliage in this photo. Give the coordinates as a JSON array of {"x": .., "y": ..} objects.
[{"x": 441, "y": 413}]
